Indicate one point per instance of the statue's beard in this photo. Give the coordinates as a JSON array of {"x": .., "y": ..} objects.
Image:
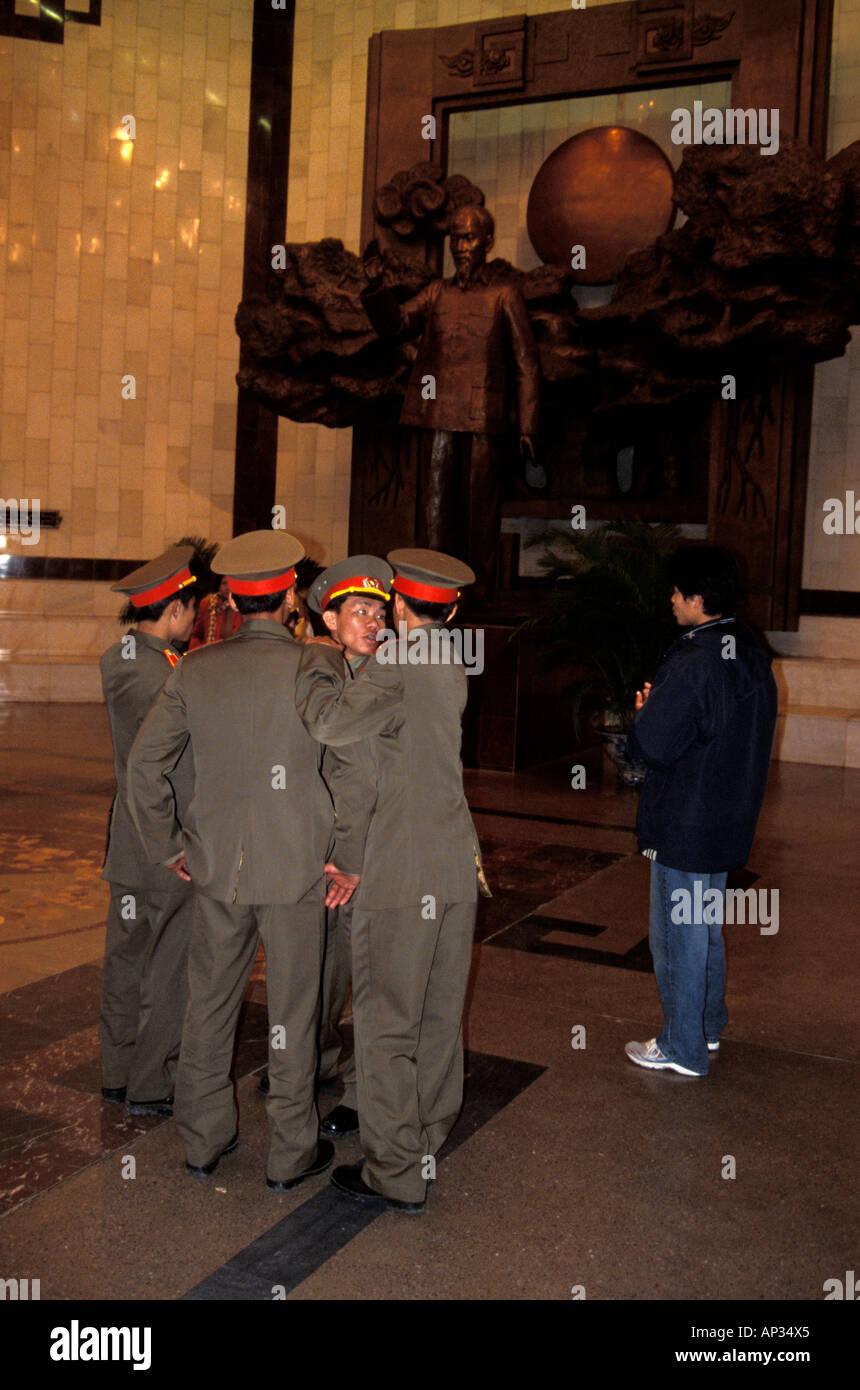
[{"x": 464, "y": 274}]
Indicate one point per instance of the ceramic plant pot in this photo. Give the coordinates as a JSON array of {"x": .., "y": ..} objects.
[{"x": 630, "y": 773}]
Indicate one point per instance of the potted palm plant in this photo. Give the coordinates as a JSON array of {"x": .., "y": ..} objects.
[{"x": 609, "y": 613}]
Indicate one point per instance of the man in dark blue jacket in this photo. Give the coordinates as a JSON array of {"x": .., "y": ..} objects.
[{"x": 705, "y": 729}]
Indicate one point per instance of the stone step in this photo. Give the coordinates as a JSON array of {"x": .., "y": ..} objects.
[
  {"x": 32, "y": 635},
  {"x": 827, "y": 637},
  {"x": 810, "y": 680},
  {"x": 69, "y": 598},
  {"x": 54, "y": 656},
  {"x": 38, "y": 679},
  {"x": 818, "y": 734}
]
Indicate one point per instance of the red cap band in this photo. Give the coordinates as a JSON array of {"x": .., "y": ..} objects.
[
  {"x": 251, "y": 587},
  {"x": 162, "y": 590},
  {"x": 365, "y": 584},
  {"x": 412, "y": 589}
]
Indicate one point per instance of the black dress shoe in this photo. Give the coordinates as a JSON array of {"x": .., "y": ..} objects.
[
  {"x": 263, "y": 1085},
  {"x": 150, "y": 1107},
  {"x": 340, "y": 1122},
  {"x": 348, "y": 1180},
  {"x": 325, "y": 1154},
  {"x": 205, "y": 1170},
  {"x": 116, "y": 1094}
]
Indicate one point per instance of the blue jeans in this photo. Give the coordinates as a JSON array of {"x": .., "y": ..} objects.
[{"x": 689, "y": 963}]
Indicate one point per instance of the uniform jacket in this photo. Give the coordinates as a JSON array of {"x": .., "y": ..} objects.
[
  {"x": 705, "y": 733},
  {"x": 131, "y": 684},
  {"x": 260, "y": 820},
  {"x": 421, "y": 841},
  {"x": 349, "y": 774},
  {"x": 477, "y": 344}
]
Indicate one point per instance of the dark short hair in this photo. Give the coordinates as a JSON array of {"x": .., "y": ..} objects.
[
  {"x": 249, "y": 604},
  {"x": 436, "y": 612},
  {"x": 708, "y": 570},
  {"x": 307, "y": 570},
  {"x": 151, "y": 612}
]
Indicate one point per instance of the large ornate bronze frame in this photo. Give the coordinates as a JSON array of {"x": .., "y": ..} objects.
[{"x": 776, "y": 54}]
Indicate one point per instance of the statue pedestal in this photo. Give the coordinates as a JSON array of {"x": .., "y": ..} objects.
[{"x": 515, "y": 716}]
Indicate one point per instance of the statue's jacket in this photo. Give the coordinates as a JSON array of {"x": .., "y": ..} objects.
[{"x": 477, "y": 347}]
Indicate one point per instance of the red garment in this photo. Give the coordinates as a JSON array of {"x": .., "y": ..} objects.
[{"x": 215, "y": 621}]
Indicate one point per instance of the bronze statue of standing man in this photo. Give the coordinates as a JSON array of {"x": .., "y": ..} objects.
[{"x": 476, "y": 379}]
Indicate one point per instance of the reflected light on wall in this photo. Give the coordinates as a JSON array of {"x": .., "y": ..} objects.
[
  {"x": 188, "y": 230},
  {"x": 127, "y": 145}
]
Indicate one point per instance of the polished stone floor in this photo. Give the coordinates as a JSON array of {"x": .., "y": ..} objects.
[{"x": 569, "y": 1172}]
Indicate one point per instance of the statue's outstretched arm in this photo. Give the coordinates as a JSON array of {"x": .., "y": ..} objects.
[{"x": 391, "y": 319}]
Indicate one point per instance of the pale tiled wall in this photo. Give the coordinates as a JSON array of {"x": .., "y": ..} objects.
[
  {"x": 118, "y": 258},
  {"x": 833, "y": 562}
]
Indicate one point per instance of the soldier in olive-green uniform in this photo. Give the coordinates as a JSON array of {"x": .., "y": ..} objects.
[
  {"x": 414, "y": 908},
  {"x": 144, "y": 981},
  {"x": 351, "y": 597},
  {"x": 254, "y": 842}
]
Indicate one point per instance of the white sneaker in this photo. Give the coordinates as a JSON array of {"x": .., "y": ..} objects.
[
  {"x": 714, "y": 1046},
  {"x": 648, "y": 1054}
]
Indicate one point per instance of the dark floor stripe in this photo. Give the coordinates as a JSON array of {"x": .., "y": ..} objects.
[
  {"x": 550, "y": 820},
  {"x": 34, "y": 1016},
  {"x": 528, "y": 935},
  {"x": 637, "y": 958},
  {"x": 537, "y": 919},
  {"x": 51, "y": 935},
  {"x": 303, "y": 1241}
]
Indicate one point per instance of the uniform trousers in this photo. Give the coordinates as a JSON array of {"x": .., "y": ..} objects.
[
  {"x": 409, "y": 978},
  {"x": 144, "y": 989},
  {"x": 224, "y": 940},
  {"x": 337, "y": 972}
]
